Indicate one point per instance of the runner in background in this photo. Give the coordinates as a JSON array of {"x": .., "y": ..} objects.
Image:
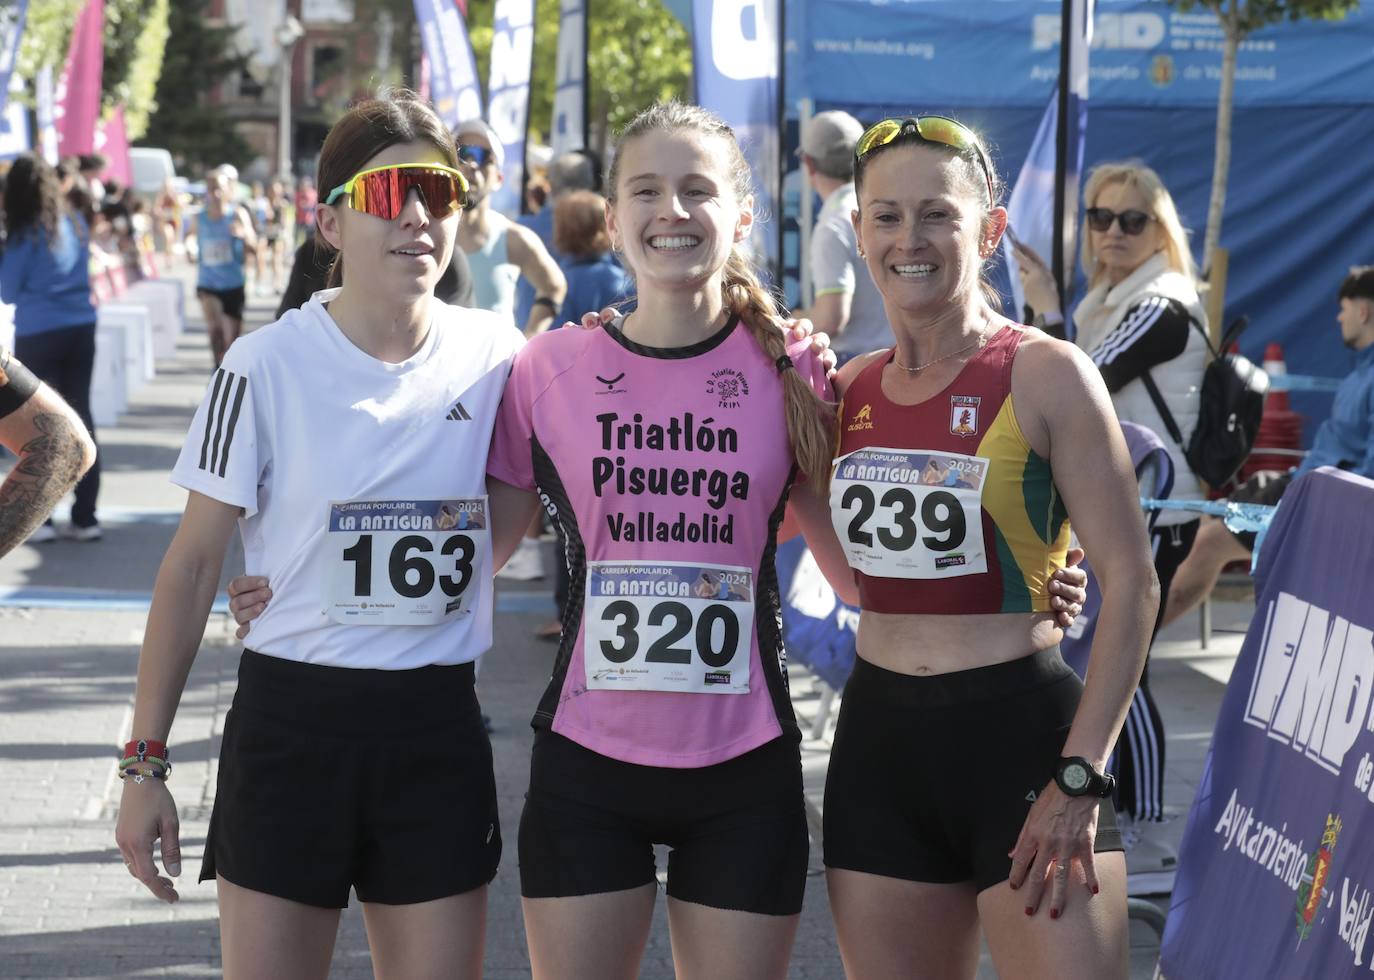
[
  {"x": 224, "y": 232},
  {"x": 354, "y": 757}
]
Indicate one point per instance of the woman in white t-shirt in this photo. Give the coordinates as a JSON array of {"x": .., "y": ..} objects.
[{"x": 348, "y": 443}]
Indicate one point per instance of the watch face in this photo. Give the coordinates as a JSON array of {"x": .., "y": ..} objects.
[{"x": 1075, "y": 776}]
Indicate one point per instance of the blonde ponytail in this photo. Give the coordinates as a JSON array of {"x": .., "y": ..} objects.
[{"x": 810, "y": 421}]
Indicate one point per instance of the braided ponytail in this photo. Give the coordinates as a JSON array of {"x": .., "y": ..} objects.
[{"x": 810, "y": 421}]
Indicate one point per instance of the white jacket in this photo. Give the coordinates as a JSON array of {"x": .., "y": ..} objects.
[{"x": 1179, "y": 380}]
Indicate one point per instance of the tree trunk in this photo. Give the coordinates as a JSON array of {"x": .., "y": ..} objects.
[{"x": 1222, "y": 166}]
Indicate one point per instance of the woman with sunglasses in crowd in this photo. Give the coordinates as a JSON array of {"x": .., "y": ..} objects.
[
  {"x": 1141, "y": 321},
  {"x": 966, "y": 775},
  {"x": 354, "y": 756}
]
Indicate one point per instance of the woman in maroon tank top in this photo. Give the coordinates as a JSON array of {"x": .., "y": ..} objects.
[{"x": 966, "y": 775}]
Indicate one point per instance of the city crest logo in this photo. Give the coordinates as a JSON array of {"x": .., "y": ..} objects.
[
  {"x": 1312, "y": 885},
  {"x": 963, "y": 415}
]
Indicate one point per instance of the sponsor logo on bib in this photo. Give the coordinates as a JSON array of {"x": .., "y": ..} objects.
[
  {"x": 728, "y": 385},
  {"x": 863, "y": 419},
  {"x": 963, "y": 415}
]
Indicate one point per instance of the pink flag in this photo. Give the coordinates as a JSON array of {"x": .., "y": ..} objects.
[
  {"x": 78, "y": 94},
  {"x": 113, "y": 141}
]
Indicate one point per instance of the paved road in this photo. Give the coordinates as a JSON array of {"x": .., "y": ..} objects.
[{"x": 71, "y": 621}]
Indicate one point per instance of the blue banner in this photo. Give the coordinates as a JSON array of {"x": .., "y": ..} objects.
[
  {"x": 508, "y": 95},
  {"x": 1277, "y": 863},
  {"x": 453, "y": 72},
  {"x": 952, "y": 52},
  {"x": 11, "y": 33},
  {"x": 569, "y": 93},
  {"x": 735, "y": 62}
]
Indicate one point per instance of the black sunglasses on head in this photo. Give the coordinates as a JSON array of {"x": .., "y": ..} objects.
[{"x": 1132, "y": 222}]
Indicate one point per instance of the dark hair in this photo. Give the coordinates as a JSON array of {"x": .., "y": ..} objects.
[
  {"x": 971, "y": 173},
  {"x": 33, "y": 198},
  {"x": 368, "y": 128},
  {"x": 579, "y": 225},
  {"x": 1359, "y": 284},
  {"x": 810, "y": 421}
]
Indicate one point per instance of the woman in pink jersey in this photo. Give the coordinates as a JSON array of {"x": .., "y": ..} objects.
[{"x": 966, "y": 775}]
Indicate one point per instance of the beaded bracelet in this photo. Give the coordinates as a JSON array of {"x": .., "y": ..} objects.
[
  {"x": 144, "y": 747},
  {"x": 138, "y": 775},
  {"x": 151, "y": 760}
]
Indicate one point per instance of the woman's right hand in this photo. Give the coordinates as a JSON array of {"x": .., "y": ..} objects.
[
  {"x": 1037, "y": 280},
  {"x": 248, "y": 597},
  {"x": 147, "y": 813}
]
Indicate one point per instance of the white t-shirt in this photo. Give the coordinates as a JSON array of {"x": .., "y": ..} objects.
[{"x": 362, "y": 485}]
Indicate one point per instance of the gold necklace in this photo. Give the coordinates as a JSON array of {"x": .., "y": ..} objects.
[{"x": 977, "y": 342}]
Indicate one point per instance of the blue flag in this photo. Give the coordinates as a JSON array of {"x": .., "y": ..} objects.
[
  {"x": 11, "y": 32},
  {"x": 1043, "y": 206},
  {"x": 570, "y": 82},
  {"x": 453, "y": 71},
  {"x": 735, "y": 51},
  {"x": 508, "y": 95}
]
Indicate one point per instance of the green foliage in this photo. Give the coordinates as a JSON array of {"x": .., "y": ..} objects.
[
  {"x": 639, "y": 54},
  {"x": 196, "y": 57},
  {"x": 1250, "y": 15},
  {"x": 47, "y": 35},
  {"x": 135, "y": 39}
]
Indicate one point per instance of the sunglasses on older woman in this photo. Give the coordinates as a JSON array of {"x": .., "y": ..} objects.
[
  {"x": 382, "y": 191},
  {"x": 932, "y": 129},
  {"x": 1132, "y": 222}
]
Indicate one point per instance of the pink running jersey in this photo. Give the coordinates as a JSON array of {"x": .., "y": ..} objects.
[{"x": 666, "y": 471}]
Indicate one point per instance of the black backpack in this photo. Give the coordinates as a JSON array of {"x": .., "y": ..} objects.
[{"x": 1232, "y": 403}]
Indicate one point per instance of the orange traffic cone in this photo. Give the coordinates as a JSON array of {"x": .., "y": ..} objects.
[{"x": 1280, "y": 432}]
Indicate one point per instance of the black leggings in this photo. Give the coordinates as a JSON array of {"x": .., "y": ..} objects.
[
  {"x": 64, "y": 360},
  {"x": 1140, "y": 751}
]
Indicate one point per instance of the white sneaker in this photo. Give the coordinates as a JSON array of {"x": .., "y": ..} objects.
[
  {"x": 77, "y": 533},
  {"x": 1151, "y": 859},
  {"x": 526, "y": 565},
  {"x": 42, "y": 534}
]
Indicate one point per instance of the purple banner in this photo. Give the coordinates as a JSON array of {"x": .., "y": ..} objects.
[
  {"x": 78, "y": 93},
  {"x": 1277, "y": 863},
  {"x": 452, "y": 72}
]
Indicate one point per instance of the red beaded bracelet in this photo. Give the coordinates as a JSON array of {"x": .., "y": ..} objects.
[{"x": 141, "y": 748}]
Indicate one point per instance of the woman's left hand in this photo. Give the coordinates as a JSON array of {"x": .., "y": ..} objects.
[
  {"x": 820, "y": 342},
  {"x": 1068, "y": 589},
  {"x": 1055, "y": 848}
]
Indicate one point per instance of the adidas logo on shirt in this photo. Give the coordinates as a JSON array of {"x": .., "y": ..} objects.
[{"x": 458, "y": 413}]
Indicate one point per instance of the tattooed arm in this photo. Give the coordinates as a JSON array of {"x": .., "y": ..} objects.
[{"x": 53, "y": 447}]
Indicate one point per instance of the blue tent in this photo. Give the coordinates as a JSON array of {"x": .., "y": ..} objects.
[{"x": 1300, "y": 206}]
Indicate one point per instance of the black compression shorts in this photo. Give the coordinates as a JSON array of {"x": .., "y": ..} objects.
[
  {"x": 230, "y": 300},
  {"x": 931, "y": 777},
  {"x": 333, "y": 778},
  {"x": 737, "y": 829}
]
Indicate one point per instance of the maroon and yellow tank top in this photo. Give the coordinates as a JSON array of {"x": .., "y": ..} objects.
[{"x": 943, "y": 507}]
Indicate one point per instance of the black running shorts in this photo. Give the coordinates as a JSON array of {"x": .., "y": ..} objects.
[
  {"x": 230, "y": 300},
  {"x": 333, "y": 778},
  {"x": 737, "y": 829},
  {"x": 931, "y": 777}
]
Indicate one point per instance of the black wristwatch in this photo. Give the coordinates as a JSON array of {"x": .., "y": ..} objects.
[{"x": 1076, "y": 776}]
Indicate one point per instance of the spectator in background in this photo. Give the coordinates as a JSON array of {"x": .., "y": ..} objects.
[
  {"x": 1345, "y": 441},
  {"x": 92, "y": 167},
  {"x": 1141, "y": 318},
  {"x": 847, "y": 304},
  {"x": 224, "y": 232},
  {"x": 499, "y": 250},
  {"x": 260, "y": 208},
  {"x": 167, "y": 219},
  {"x": 52, "y": 444},
  {"x": 44, "y": 274},
  {"x": 307, "y": 199},
  {"x": 595, "y": 280},
  {"x": 280, "y": 220},
  {"x": 577, "y": 170}
]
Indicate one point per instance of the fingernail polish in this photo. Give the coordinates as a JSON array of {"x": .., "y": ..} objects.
[
  {"x": 1094, "y": 889},
  {"x": 1054, "y": 913},
  {"x": 1029, "y": 910}
]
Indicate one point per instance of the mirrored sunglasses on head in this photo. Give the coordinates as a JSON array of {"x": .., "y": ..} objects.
[
  {"x": 932, "y": 129},
  {"x": 1132, "y": 222},
  {"x": 382, "y": 191},
  {"x": 478, "y": 156}
]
